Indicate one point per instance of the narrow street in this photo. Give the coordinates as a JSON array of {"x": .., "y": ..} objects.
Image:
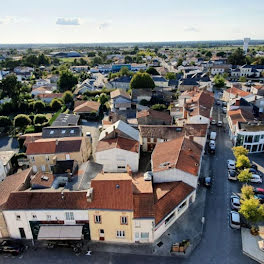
[{"x": 220, "y": 244}]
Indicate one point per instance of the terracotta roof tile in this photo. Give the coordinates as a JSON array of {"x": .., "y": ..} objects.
[
  {"x": 13, "y": 183},
  {"x": 160, "y": 131},
  {"x": 154, "y": 114},
  {"x": 181, "y": 153},
  {"x": 119, "y": 92},
  {"x": 39, "y": 181},
  {"x": 168, "y": 196},
  {"x": 237, "y": 92},
  {"x": 119, "y": 142},
  {"x": 87, "y": 106}
]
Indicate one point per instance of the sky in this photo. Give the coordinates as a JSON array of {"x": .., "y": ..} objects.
[{"x": 86, "y": 21}]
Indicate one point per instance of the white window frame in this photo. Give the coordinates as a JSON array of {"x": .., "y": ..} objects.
[
  {"x": 137, "y": 224},
  {"x": 97, "y": 219},
  {"x": 18, "y": 217},
  {"x": 123, "y": 220},
  {"x": 48, "y": 217},
  {"x": 120, "y": 234},
  {"x": 69, "y": 216}
]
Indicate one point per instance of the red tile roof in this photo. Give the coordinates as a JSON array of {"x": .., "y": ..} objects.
[
  {"x": 180, "y": 153},
  {"x": 155, "y": 115},
  {"x": 13, "y": 183},
  {"x": 38, "y": 179},
  {"x": 240, "y": 115},
  {"x": 237, "y": 92},
  {"x": 119, "y": 142},
  {"x": 167, "y": 196},
  {"x": 50, "y": 95},
  {"x": 52, "y": 146},
  {"x": 86, "y": 106}
]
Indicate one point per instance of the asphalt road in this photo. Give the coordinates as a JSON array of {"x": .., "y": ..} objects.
[{"x": 220, "y": 244}]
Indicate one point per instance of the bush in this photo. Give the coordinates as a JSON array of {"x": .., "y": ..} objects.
[
  {"x": 39, "y": 106},
  {"x": 144, "y": 102},
  {"x": 5, "y": 121},
  {"x": 7, "y": 108},
  {"x": 40, "y": 119},
  {"x": 67, "y": 97},
  {"x": 56, "y": 104},
  {"x": 22, "y": 121},
  {"x": 159, "y": 107}
]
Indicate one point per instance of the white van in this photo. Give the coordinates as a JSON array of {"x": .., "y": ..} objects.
[{"x": 212, "y": 135}]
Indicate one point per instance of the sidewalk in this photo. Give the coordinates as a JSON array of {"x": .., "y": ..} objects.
[{"x": 188, "y": 226}]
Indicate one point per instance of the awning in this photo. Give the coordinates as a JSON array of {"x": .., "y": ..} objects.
[{"x": 60, "y": 232}]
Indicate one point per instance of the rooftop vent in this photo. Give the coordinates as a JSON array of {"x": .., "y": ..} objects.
[
  {"x": 51, "y": 132},
  {"x": 165, "y": 164},
  {"x": 117, "y": 186}
]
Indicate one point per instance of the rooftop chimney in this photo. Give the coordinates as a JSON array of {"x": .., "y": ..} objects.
[
  {"x": 237, "y": 103},
  {"x": 191, "y": 137},
  {"x": 129, "y": 171},
  {"x": 89, "y": 195}
]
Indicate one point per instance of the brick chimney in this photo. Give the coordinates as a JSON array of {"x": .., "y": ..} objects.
[
  {"x": 191, "y": 137},
  {"x": 237, "y": 102}
]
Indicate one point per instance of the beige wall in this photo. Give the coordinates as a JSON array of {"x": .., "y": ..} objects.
[
  {"x": 3, "y": 227},
  {"x": 48, "y": 159},
  {"x": 111, "y": 223}
]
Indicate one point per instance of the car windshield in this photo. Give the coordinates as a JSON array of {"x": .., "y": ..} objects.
[{"x": 232, "y": 173}]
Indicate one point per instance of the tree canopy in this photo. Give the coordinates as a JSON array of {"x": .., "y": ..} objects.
[
  {"x": 242, "y": 162},
  {"x": 152, "y": 71},
  {"x": 239, "y": 150},
  {"x": 11, "y": 87},
  {"x": 237, "y": 57},
  {"x": 171, "y": 75},
  {"x": 247, "y": 191},
  {"x": 219, "y": 81},
  {"x": 244, "y": 175},
  {"x": 67, "y": 81},
  {"x": 141, "y": 80},
  {"x": 67, "y": 97},
  {"x": 22, "y": 121},
  {"x": 56, "y": 104}
]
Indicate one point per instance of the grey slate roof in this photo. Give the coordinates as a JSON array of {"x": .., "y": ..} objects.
[
  {"x": 66, "y": 120},
  {"x": 61, "y": 132}
]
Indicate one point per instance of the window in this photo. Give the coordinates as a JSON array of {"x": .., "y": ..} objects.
[
  {"x": 182, "y": 206},
  {"x": 51, "y": 132},
  {"x": 97, "y": 219},
  {"x": 254, "y": 148},
  {"x": 47, "y": 158},
  {"x": 144, "y": 235},
  {"x": 68, "y": 157},
  {"x": 137, "y": 224},
  {"x": 121, "y": 167},
  {"x": 48, "y": 217},
  {"x": 262, "y": 136},
  {"x": 148, "y": 140},
  {"x": 120, "y": 234},
  {"x": 32, "y": 158},
  {"x": 69, "y": 216},
  {"x": 154, "y": 140},
  {"x": 249, "y": 139},
  {"x": 123, "y": 220},
  {"x": 137, "y": 235},
  {"x": 63, "y": 131},
  {"x": 18, "y": 217},
  {"x": 72, "y": 131},
  {"x": 169, "y": 218},
  {"x": 256, "y": 138},
  {"x": 43, "y": 168}
]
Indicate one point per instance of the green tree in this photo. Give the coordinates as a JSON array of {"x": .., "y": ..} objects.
[
  {"x": 67, "y": 97},
  {"x": 39, "y": 106},
  {"x": 179, "y": 62},
  {"x": 43, "y": 60},
  {"x": 128, "y": 59},
  {"x": 237, "y": 57},
  {"x": 56, "y": 104},
  {"x": 252, "y": 210},
  {"x": 103, "y": 98},
  {"x": 239, "y": 150},
  {"x": 5, "y": 121},
  {"x": 242, "y": 162},
  {"x": 242, "y": 79},
  {"x": 244, "y": 176},
  {"x": 208, "y": 54},
  {"x": 219, "y": 81},
  {"x": 40, "y": 119},
  {"x": 144, "y": 102},
  {"x": 11, "y": 87},
  {"x": 159, "y": 107},
  {"x": 7, "y": 108},
  {"x": 22, "y": 121},
  {"x": 170, "y": 75},
  {"x": 141, "y": 80},
  {"x": 247, "y": 192},
  {"x": 220, "y": 54},
  {"x": 67, "y": 81},
  {"x": 152, "y": 71},
  {"x": 124, "y": 71}
]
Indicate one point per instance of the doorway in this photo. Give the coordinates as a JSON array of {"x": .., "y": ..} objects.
[
  {"x": 22, "y": 232},
  {"x": 101, "y": 235}
]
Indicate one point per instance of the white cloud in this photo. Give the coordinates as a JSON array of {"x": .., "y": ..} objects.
[
  {"x": 105, "y": 25},
  {"x": 12, "y": 20},
  {"x": 191, "y": 29},
  {"x": 68, "y": 21}
]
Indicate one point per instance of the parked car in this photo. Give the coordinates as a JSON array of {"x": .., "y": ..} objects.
[
  {"x": 251, "y": 170},
  {"x": 213, "y": 122},
  {"x": 219, "y": 123},
  {"x": 231, "y": 164},
  {"x": 235, "y": 202},
  {"x": 256, "y": 179},
  {"x": 11, "y": 246},
  {"x": 224, "y": 109},
  {"x": 234, "y": 220},
  {"x": 260, "y": 197},
  {"x": 207, "y": 182},
  {"x": 254, "y": 166},
  {"x": 218, "y": 102},
  {"x": 232, "y": 175},
  {"x": 212, "y": 135},
  {"x": 224, "y": 103},
  {"x": 259, "y": 190},
  {"x": 212, "y": 144}
]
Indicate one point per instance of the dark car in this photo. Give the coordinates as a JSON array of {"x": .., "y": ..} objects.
[
  {"x": 260, "y": 197},
  {"x": 207, "y": 182},
  {"x": 10, "y": 246},
  {"x": 259, "y": 190},
  {"x": 254, "y": 166},
  {"x": 253, "y": 171}
]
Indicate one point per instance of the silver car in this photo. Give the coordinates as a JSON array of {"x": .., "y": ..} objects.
[
  {"x": 234, "y": 220},
  {"x": 235, "y": 202}
]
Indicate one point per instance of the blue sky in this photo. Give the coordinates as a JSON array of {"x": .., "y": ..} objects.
[{"x": 86, "y": 21}]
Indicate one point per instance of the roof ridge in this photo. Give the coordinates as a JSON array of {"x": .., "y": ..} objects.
[{"x": 180, "y": 149}]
